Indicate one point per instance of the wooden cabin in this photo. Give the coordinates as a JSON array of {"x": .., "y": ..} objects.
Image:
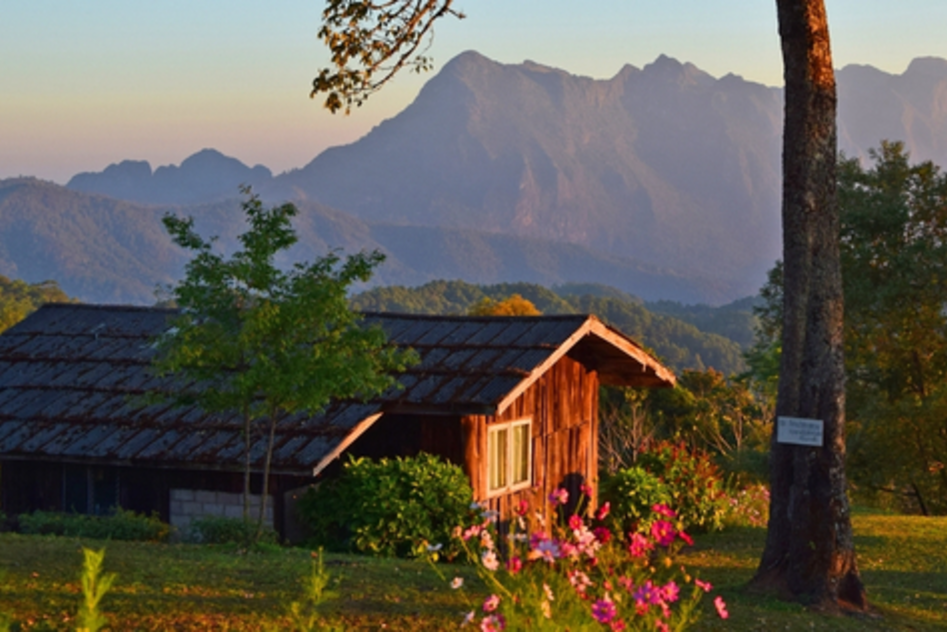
[{"x": 513, "y": 400}]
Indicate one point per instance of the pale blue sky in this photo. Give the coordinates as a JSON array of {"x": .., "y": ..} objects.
[{"x": 86, "y": 84}]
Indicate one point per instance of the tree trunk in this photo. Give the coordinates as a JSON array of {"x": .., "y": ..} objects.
[
  {"x": 271, "y": 437},
  {"x": 810, "y": 554}
]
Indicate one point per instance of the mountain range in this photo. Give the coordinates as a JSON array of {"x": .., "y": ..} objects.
[{"x": 662, "y": 181}]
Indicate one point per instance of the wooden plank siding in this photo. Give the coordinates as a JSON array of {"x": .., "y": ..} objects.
[{"x": 563, "y": 406}]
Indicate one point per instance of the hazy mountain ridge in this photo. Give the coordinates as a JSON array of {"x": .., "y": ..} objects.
[{"x": 101, "y": 249}]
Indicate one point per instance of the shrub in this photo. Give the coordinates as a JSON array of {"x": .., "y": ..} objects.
[
  {"x": 631, "y": 493},
  {"x": 121, "y": 525},
  {"x": 695, "y": 481},
  {"x": 390, "y": 507},
  {"x": 223, "y": 530}
]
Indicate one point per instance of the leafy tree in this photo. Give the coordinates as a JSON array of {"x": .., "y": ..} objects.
[
  {"x": 514, "y": 305},
  {"x": 894, "y": 259},
  {"x": 267, "y": 343},
  {"x": 809, "y": 550},
  {"x": 18, "y": 299},
  {"x": 894, "y": 255}
]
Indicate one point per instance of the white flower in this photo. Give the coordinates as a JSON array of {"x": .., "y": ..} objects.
[
  {"x": 490, "y": 561},
  {"x": 433, "y": 548},
  {"x": 468, "y": 618},
  {"x": 457, "y": 582}
]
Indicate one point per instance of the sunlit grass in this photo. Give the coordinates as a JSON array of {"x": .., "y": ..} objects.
[{"x": 186, "y": 587}]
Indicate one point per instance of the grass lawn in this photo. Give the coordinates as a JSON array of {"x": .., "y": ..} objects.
[{"x": 186, "y": 587}]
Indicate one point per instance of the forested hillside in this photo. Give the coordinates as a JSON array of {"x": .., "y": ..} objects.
[
  {"x": 18, "y": 299},
  {"x": 681, "y": 345}
]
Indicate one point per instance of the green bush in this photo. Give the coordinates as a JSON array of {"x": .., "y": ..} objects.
[
  {"x": 695, "y": 482},
  {"x": 121, "y": 525},
  {"x": 390, "y": 507},
  {"x": 632, "y": 493},
  {"x": 222, "y": 530}
]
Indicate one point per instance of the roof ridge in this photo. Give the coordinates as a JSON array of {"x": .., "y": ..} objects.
[{"x": 109, "y": 307}]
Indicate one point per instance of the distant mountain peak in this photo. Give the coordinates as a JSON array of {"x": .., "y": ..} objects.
[{"x": 930, "y": 66}]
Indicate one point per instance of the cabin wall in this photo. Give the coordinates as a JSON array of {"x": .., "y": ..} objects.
[
  {"x": 563, "y": 405},
  {"x": 27, "y": 486}
]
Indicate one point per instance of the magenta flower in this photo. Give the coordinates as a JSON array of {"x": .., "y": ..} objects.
[
  {"x": 522, "y": 507},
  {"x": 603, "y": 610},
  {"x": 493, "y": 623},
  {"x": 559, "y": 497},
  {"x": 514, "y": 565},
  {"x": 491, "y": 603},
  {"x": 721, "y": 607},
  {"x": 602, "y": 534},
  {"x": 670, "y": 592},
  {"x": 603, "y": 511},
  {"x": 687, "y": 539},
  {"x": 705, "y": 586},
  {"x": 647, "y": 595},
  {"x": 618, "y": 625},
  {"x": 639, "y": 545},
  {"x": 586, "y": 489},
  {"x": 663, "y": 532}
]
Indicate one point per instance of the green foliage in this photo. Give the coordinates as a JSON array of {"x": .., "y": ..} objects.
[
  {"x": 19, "y": 299},
  {"x": 304, "y": 614},
  {"x": 122, "y": 525},
  {"x": 632, "y": 492},
  {"x": 390, "y": 506},
  {"x": 223, "y": 530},
  {"x": 94, "y": 588},
  {"x": 266, "y": 342},
  {"x": 693, "y": 480}
]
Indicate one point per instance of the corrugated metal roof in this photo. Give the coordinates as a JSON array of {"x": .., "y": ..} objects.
[{"x": 71, "y": 377}]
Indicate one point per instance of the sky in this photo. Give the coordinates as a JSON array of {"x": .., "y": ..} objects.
[{"x": 87, "y": 84}]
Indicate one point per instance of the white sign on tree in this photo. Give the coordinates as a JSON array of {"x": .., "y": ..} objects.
[{"x": 799, "y": 431}]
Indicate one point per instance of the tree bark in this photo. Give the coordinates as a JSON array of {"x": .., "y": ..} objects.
[{"x": 810, "y": 554}]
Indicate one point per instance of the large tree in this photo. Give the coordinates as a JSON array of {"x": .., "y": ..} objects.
[{"x": 809, "y": 551}]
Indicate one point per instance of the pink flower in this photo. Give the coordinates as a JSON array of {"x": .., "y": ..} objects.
[
  {"x": 670, "y": 592},
  {"x": 559, "y": 497},
  {"x": 491, "y": 603},
  {"x": 687, "y": 539},
  {"x": 493, "y": 623},
  {"x": 468, "y": 618},
  {"x": 639, "y": 545},
  {"x": 575, "y": 522},
  {"x": 663, "y": 510},
  {"x": 579, "y": 580},
  {"x": 514, "y": 565},
  {"x": 721, "y": 607},
  {"x": 705, "y": 586},
  {"x": 546, "y": 550},
  {"x": 603, "y": 511},
  {"x": 471, "y": 532},
  {"x": 603, "y": 610},
  {"x": 586, "y": 489},
  {"x": 522, "y": 507},
  {"x": 663, "y": 532},
  {"x": 618, "y": 625},
  {"x": 661, "y": 626}
]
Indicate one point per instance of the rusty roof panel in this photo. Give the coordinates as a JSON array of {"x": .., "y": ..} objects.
[{"x": 71, "y": 375}]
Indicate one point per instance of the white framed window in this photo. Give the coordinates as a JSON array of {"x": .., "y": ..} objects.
[{"x": 509, "y": 456}]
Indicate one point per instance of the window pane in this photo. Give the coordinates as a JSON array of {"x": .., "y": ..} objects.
[
  {"x": 520, "y": 446},
  {"x": 498, "y": 458}
]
